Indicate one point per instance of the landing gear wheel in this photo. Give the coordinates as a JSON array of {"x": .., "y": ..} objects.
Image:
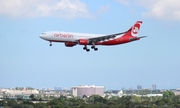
[
  {"x": 84, "y": 48},
  {"x": 50, "y": 43},
  {"x": 87, "y": 50},
  {"x": 95, "y": 49},
  {"x": 92, "y": 47}
]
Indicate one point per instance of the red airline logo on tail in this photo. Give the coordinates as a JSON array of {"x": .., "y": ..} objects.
[{"x": 136, "y": 28}]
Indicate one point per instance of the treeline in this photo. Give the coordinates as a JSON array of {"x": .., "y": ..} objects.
[{"x": 169, "y": 100}]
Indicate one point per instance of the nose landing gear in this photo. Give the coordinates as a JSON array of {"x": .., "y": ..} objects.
[{"x": 50, "y": 44}]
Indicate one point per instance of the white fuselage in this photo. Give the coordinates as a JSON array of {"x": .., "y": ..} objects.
[{"x": 66, "y": 36}]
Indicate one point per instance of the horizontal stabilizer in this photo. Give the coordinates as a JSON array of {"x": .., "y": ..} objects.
[{"x": 142, "y": 36}]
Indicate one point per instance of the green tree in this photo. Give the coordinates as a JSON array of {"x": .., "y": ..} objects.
[
  {"x": 96, "y": 99},
  {"x": 168, "y": 94},
  {"x": 40, "y": 105},
  {"x": 32, "y": 96},
  {"x": 11, "y": 103},
  {"x": 176, "y": 99},
  {"x": 2, "y": 103},
  {"x": 163, "y": 102},
  {"x": 23, "y": 106},
  {"x": 28, "y": 103}
]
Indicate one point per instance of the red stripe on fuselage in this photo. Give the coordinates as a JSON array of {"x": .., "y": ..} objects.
[
  {"x": 60, "y": 41},
  {"x": 117, "y": 41}
]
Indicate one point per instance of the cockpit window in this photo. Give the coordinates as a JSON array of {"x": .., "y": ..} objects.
[{"x": 43, "y": 33}]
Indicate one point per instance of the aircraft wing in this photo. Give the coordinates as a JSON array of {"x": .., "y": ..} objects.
[{"x": 103, "y": 38}]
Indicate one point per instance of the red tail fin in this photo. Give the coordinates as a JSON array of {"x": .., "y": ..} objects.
[{"x": 133, "y": 31}]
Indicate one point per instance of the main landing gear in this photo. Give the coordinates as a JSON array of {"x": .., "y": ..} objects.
[
  {"x": 92, "y": 47},
  {"x": 85, "y": 48}
]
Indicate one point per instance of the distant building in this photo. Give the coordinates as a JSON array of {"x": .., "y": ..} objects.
[
  {"x": 154, "y": 95},
  {"x": 120, "y": 93},
  {"x": 57, "y": 88},
  {"x": 139, "y": 87},
  {"x": 80, "y": 91},
  {"x": 176, "y": 93},
  {"x": 154, "y": 87},
  {"x": 19, "y": 92},
  {"x": 1, "y": 95}
]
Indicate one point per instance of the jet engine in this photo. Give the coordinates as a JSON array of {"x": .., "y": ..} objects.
[
  {"x": 70, "y": 44},
  {"x": 83, "y": 42}
]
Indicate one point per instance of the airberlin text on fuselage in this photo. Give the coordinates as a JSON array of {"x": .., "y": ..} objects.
[{"x": 63, "y": 35}]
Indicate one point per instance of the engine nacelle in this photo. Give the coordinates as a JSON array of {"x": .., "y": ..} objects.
[
  {"x": 83, "y": 42},
  {"x": 70, "y": 44}
]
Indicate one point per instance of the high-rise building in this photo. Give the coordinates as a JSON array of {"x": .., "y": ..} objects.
[
  {"x": 139, "y": 87},
  {"x": 154, "y": 87},
  {"x": 80, "y": 91}
]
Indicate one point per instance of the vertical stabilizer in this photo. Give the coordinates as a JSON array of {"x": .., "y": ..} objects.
[{"x": 133, "y": 31}]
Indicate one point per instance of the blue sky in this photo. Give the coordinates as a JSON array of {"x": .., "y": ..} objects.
[{"x": 26, "y": 60}]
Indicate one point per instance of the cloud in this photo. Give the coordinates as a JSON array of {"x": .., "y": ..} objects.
[
  {"x": 157, "y": 9},
  {"x": 125, "y": 2},
  {"x": 162, "y": 9},
  {"x": 103, "y": 9},
  {"x": 67, "y": 9}
]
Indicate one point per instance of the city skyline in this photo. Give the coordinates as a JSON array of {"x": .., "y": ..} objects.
[
  {"x": 26, "y": 60},
  {"x": 138, "y": 87}
]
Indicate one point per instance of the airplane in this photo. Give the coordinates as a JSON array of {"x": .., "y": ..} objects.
[{"x": 71, "y": 39}]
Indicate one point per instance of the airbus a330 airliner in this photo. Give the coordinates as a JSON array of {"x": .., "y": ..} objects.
[{"x": 71, "y": 39}]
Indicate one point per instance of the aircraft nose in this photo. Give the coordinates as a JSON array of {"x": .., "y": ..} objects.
[{"x": 41, "y": 36}]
